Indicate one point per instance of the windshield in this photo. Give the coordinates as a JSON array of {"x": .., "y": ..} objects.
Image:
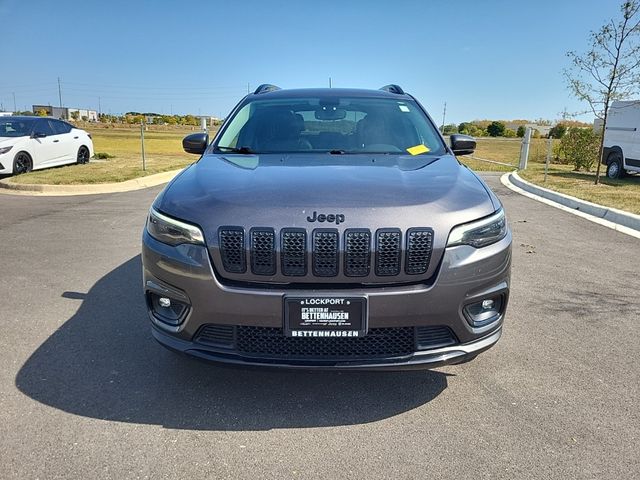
[
  {"x": 12, "y": 127},
  {"x": 336, "y": 125}
]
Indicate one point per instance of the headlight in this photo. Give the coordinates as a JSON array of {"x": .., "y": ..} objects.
[
  {"x": 172, "y": 231},
  {"x": 5, "y": 149},
  {"x": 481, "y": 232}
]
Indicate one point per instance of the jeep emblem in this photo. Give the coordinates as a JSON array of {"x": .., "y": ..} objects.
[{"x": 338, "y": 218}]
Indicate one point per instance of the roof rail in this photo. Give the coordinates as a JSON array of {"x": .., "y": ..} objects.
[
  {"x": 266, "y": 87},
  {"x": 391, "y": 88}
]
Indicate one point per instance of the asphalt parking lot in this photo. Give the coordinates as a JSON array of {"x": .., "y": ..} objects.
[{"x": 85, "y": 392}]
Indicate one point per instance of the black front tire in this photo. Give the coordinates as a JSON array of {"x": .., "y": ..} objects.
[
  {"x": 615, "y": 166},
  {"x": 83, "y": 156},
  {"x": 22, "y": 163}
]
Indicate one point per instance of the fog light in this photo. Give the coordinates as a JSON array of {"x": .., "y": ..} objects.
[
  {"x": 484, "y": 312},
  {"x": 167, "y": 310},
  {"x": 486, "y": 304}
]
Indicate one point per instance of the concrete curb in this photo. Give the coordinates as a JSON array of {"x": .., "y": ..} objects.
[
  {"x": 10, "y": 188},
  {"x": 613, "y": 218}
]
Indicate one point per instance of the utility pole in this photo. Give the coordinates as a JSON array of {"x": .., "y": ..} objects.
[
  {"x": 444, "y": 116},
  {"x": 15, "y": 109},
  {"x": 329, "y": 82},
  {"x": 99, "y": 108},
  {"x": 248, "y": 87},
  {"x": 59, "y": 92}
]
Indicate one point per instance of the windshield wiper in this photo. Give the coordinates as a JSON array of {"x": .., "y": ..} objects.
[
  {"x": 337, "y": 152},
  {"x": 241, "y": 150}
]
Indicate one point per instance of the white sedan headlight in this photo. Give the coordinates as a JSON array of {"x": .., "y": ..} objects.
[{"x": 5, "y": 149}]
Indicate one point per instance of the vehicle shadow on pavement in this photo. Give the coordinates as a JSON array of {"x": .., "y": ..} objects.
[{"x": 103, "y": 363}]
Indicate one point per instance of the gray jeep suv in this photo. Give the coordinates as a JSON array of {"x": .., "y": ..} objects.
[{"x": 327, "y": 228}]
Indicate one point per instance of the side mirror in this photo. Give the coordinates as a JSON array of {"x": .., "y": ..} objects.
[
  {"x": 462, "y": 144},
  {"x": 195, "y": 143}
]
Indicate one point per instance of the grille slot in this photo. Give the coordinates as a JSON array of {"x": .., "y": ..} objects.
[
  {"x": 388, "y": 252},
  {"x": 357, "y": 253},
  {"x": 294, "y": 252},
  {"x": 379, "y": 342},
  {"x": 435, "y": 337},
  {"x": 419, "y": 246},
  {"x": 216, "y": 335},
  {"x": 263, "y": 254},
  {"x": 325, "y": 253},
  {"x": 232, "y": 249}
]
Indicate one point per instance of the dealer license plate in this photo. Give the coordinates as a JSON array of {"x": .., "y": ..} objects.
[{"x": 325, "y": 316}]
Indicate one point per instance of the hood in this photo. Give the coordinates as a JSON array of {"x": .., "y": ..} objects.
[
  {"x": 6, "y": 141},
  {"x": 299, "y": 191}
]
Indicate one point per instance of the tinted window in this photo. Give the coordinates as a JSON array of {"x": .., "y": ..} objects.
[
  {"x": 42, "y": 126},
  {"x": 60, "y": 127},
  {"x": 11, "y": 127},
  {"x": 347, "y": 124}
]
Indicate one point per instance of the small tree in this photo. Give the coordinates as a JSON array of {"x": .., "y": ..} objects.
[
  {"x": 608, "y": 71},
  {"x": 42, "y": 113},
  {"x": 75, "y": 115},
  {"x": 449, "y": 129},
  {"x": 558, "y": 131},
  {"x": 464, "y": 128},
  {"x": 496, "y": 129},
  {"x": 508, "y": 133},
  {"x": 580, "y": 147},
  {"x": 520, "y": 132}
]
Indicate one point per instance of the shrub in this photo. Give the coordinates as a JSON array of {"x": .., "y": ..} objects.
[
  {"x": 558, "y": 131},
  {"x": 509, "y": 133},
  {"x": 496, "y": 129},
  {"x": 580, "y": 148},
  {"x": 465, "y": 128},
  {"x": 449, "y": 129},
  {"x": 103, "y": 155},
  {"x": 520, "y": 132}
]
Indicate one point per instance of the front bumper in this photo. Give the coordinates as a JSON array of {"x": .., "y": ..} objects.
[
  {"x": 464, "y": 276},
  {"x": 416, "y": 361}
]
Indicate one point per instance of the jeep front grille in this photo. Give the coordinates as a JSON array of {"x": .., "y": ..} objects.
[
  {"x": 325, "y": 253},
  {"x": 263, "y": 254},
  {"x": 357, "y": 253},
  {"x": 232, "y": 249},
  {"x": 294, "y": 252},
  {"x": 419, "y": 245},
  {"x": 354, "y": 253},
  {"x": 388, "y": 252}
]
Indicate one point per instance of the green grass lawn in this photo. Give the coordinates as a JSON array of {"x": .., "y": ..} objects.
[
  {"x": 163, "y": 152},
  {"x": 622, "y": 194}
]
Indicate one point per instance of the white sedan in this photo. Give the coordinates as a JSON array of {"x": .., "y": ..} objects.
[{"x": 31, "y": 143}]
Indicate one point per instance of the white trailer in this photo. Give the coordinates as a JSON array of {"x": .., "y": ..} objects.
[{"x": 622, "y": 139}]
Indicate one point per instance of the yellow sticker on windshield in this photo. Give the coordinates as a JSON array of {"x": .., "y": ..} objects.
[{"x": 418, "y": 149}]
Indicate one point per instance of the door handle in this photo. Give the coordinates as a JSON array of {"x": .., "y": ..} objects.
[
  {"x": 56, "y": 141},
  {"x": 75, "y": 138}
]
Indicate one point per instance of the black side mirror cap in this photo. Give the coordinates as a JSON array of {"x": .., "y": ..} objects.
[
  {"x": 195, "y": 143},
  {"x": 462, "y": 144}
]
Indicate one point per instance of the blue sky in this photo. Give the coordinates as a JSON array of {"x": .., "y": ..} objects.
[{"x": 486, "y": 59}]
